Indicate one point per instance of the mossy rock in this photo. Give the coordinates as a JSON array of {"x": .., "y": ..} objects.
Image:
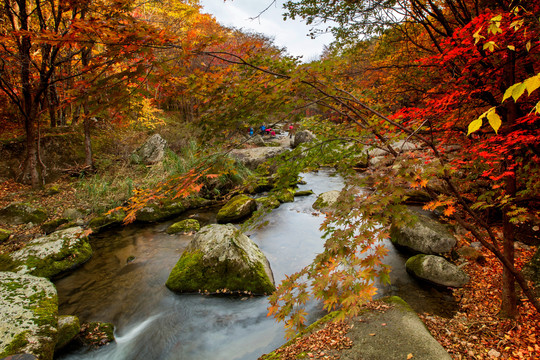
[
  {"x": 415, "y": 196},
  {"x": 52, "y": 190},
  {"x": 303, "y": 193},
  {"x": 222, "y": 259},
  {"x": 4, "y": 235},
  {"x": 103, "y": 222},
  {"x": 50, "y": 226},
  {"x": 531, "y": 270},
  {"x": 236, "y": 209},
  {"x": 285, "y": 195},
  {"x": 184, "y": 226},
  {"x": 161, "y": 212},
  {"x": 28, "y": 315},
  {"x": 326, "y": 201},
  {"x": 51, "y": 255},
  {"x": 68, "y": 329},
  {"x": 22, "y": 213},
  {"x": 268, "y": 202},
  {"x": 262, "y": 184}
]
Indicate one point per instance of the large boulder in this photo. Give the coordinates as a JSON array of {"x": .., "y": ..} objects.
[
  {"x": 22, "y": 213},
  {"x": 50, "y": 255},
  {"x": 28, "y": 315},
  {"x": 388, "y": 329},
  {"x": 220, "y": 258},
  {"x": 151, "y": 152},
  {"x": 236, "y": 209},
  {"x": 301, "y": 137},
  {"x": 251, "y": 158},
  {"x": 326, "y": 201},
  {"x": 426, "y": 236},
  {"x": 160, "y": 212},
  {"x": 436, "y": 270}
]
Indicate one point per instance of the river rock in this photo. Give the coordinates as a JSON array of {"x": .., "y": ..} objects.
[
  {"x": 257, "y": 140},
  {"x": 426, "y": 236},
  {"x": 222, "y": 258},
  {"x": 268, "y": 202},
  {"x": 50, "y": 255},
  {"x": 4, "y": 235},
  {"x": 285, "y": 195},
  {"x": 236, "y": 209},
  {"x": 68, "y": 329},
  {"x": 392, "y": 331},
  {"x": 184, "y": 226},
  {"x": 102, "y": 222},
  {"x": 303, "y": 193},
  {"x": 436, "y": 270},
  {"x": 160, "y": 212},
  {"x": 151, "y": 152},
  {"x": 22, "y": 213},
  {"x": 50, "y": 226},
  {"x": 28, "y": 315},
  {"x": 251, "y": 158},
  {"x": 301, "y": 137},
  {"x": 326, "y": 201}
]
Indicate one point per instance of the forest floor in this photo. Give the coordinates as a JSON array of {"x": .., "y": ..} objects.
[{"x": 474, "y": 332}]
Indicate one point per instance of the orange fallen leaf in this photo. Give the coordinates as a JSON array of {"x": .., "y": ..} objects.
[{"x": 410, "y": 356}]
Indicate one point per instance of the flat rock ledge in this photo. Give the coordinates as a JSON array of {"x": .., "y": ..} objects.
[
  {"x": 220, "y": 258},
  {"x": 28, "y": 315},
  {"x": 390, "y": 330},
  {"x": 426, "y": 236},
  {"x": 436, "y": 270},
  {"x": 50, "y": 255}
]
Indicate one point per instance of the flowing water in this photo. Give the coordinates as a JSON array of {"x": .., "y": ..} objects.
[{"x": 153, "y": 323}]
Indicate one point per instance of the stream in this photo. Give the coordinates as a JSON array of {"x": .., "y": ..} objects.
[{"x": 153, "y": 323}]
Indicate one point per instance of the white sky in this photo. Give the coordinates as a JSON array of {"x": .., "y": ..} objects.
[{"x": 289, "y": 34}]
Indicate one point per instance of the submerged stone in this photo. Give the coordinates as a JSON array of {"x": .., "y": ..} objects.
[
  {"x": 184, "y": 226},
  {"x": 221, "y": 258},
  {"x": 236, "y": 209},
  {"x": 28, "y": 315},
  {"x": 50, "y": 255}
]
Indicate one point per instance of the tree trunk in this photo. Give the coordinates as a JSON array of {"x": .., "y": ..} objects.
[{"x": 88, "y": 143}]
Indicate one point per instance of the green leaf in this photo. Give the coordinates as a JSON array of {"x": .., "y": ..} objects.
[
  {"x": 475, "y": 125},
  {"x": 494, "y": 120}
]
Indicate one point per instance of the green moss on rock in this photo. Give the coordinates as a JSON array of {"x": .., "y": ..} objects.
[
  {"x": 303, "y": 193},
  {"x": 28, "y": 316},
  {"x": 4, "y": 235},
  {"x": 102, "y": 222},
  {"x": 68, "y": 329},
  {"x": 22, "y": 213},
  {"x": 161, "y": 212},
  {"x": 50, "y": 226},
  {"x": 96, "y": 334},
  {"x": 285, "y": 195},
  {"x": 236, "y": 209},
  {"x": 51, "y": 255},
  {"x": 269, "y": 202},
  {"x": 184, "y": 226}
]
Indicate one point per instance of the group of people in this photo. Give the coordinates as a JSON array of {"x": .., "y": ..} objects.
[{"x": 271, "y": 132}]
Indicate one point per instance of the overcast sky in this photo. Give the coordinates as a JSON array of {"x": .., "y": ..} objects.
[{"x": 290, "y": 34}]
